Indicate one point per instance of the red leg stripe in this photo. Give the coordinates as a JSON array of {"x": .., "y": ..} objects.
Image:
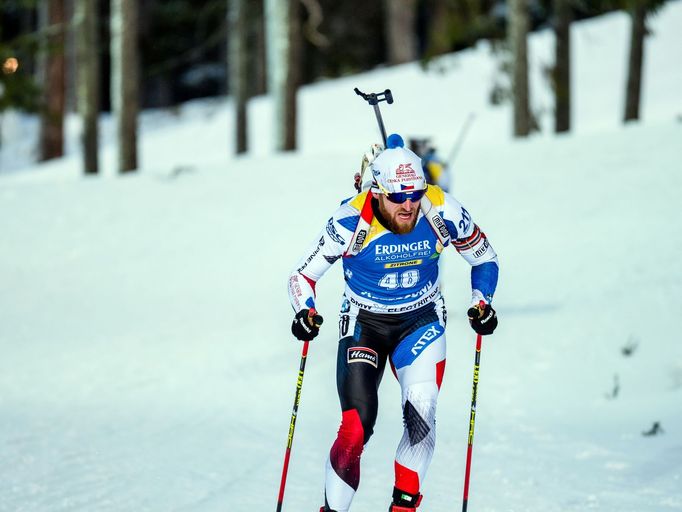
[
  {"x": 346, "y": 450},
  {"x": 406, "y": 479},
  {"x": 440, "y": 371}
]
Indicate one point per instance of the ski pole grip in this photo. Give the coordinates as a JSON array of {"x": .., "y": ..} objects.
[{"x": 314, "y": 318}]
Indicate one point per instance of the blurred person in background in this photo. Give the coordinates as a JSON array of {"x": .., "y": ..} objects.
[{"x": 436, "y": 170}]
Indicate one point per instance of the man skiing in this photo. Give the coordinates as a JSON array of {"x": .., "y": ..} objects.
[{"x": 390, "y": 238}]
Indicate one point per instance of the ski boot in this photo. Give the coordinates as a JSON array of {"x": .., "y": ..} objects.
[{"x": 404, "y": 501}]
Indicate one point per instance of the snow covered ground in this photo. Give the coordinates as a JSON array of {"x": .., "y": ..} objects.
[{"x": 145, "y": 356}]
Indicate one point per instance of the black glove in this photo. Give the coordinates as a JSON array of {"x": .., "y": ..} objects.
[
  {"x": 482, "y": 318},
  {"x": 306, "y": 324}
]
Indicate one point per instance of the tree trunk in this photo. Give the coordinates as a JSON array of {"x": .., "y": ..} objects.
[
  {"x": 401, "y": 38},
  {"x": 562, "y": 66},
  {"x": 256, "y": 27},
  {"x": 238, "y": 60},
  {"x": 635, "y": 63},
  {"x": 439, "y": 40},
  {"x": 53, "y": 80},
  {"x": 71, "y": 104},
  {"x": 85, "y": 21},
  {"x": 124, "y": 80},
  {"x": 518, "y": 33},
  {"x": 283, "y": 64}
]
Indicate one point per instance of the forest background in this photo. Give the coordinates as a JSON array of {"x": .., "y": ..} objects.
[{"x": 121, "y": 56}]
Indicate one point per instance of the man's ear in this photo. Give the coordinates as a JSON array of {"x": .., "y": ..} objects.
[{"x": 375, "y": 195}]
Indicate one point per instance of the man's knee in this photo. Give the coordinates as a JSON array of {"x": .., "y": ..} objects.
[
  {"x": 357, "y": 426},
  {"x": 368, "y": 419},
  {"x": 351, "y": 431},
  {"x": 347, "y": 449},
  {"x": 419, "y": 413},
  {"x": 357, "y": 392}
]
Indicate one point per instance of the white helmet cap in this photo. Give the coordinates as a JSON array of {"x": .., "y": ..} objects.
[{"x": 397, "y": 169}]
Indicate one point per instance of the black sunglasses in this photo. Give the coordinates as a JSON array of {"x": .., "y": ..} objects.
[{"x": 401, "y": 197}]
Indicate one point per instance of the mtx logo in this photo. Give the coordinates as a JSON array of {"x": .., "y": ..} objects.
[{"x": 429, "y": 335}]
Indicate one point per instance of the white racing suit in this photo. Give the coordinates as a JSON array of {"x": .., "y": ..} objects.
[{"x": 393, "y": 311}]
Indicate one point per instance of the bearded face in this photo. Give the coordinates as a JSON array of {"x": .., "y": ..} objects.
[{"x": 401, "y": 218}]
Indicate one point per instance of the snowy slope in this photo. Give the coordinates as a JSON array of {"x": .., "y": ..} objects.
[{"x": 145, "y": 357}]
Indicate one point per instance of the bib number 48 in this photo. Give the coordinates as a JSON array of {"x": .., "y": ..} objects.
[{"x": 406, "y": 279}]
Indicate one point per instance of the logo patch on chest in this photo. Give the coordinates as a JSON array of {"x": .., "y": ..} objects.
[
  {"x": 403, "y": 251},
  {"x": 362, "y": 355},
  {"x": 403, "y": 264}
]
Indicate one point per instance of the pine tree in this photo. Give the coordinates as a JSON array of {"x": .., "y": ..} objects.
[
  {"x": 518, "y": 35},
  {"x": 53, "y": 77},
  {"x": 401, "y": 27},
  {"x": 238, "y": 60},
  {"x": 562, "y": 65},
  {"x": 283, "y": 68},
  {"x": 87, "y": 56},
  {"x": 639, "y": 11},
  {"x": 124, "y": 80}
]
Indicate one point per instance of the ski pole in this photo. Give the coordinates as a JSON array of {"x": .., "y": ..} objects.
[
  {"x": 374, "y": 98},
  {"x": 460, "y": 139},
  {"x": 472, "y": 422},
  {"x": 317, "y": 320}
]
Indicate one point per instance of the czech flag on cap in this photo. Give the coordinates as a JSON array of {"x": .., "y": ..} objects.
[{"x": 406, "y": 187}]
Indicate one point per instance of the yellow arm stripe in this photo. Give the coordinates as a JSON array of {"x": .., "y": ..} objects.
[
  {"x": 358, "y": 201},
  {"x": 435, "y": 195}
]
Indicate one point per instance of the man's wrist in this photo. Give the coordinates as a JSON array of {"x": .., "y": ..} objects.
[{"x": 477, "y": 297}]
